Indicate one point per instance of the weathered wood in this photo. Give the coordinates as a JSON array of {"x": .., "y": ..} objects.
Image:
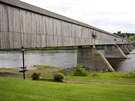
[
  {"x": 19, "y": 27},
  {"x": 17, "y": 42},
  {"x": 49, "y": 26},
  {"x": 3, "y": 18},
  {"x": 44, "y": 25}
]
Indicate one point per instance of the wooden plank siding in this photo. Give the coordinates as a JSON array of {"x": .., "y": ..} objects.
[{"x": 21, "y": 27}]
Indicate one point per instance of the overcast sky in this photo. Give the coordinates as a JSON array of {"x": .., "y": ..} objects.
[{"x": 109, "y": 15}]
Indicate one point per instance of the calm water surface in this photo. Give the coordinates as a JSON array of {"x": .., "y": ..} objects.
[
  {"x": 58, "y": 58},
  {"x": 127, "y": 65}
]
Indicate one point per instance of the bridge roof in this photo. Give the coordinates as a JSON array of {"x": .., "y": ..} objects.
[{"x": 29, "y": 7}]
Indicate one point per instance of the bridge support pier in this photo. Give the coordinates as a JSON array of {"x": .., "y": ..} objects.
[
  {"x": 93, "y": 60},
  {"x": 130, "y": 47},
  {"x": 114, "y": 51},
  {"x": 124, "y": 49}
]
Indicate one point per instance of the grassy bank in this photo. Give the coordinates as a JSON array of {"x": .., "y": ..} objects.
[
  {"x": 95, "y": 86},
  {"x": 13, "y": 89},
  {"x": 48, "y": 71},
  {"x": 109, "y": 77}
]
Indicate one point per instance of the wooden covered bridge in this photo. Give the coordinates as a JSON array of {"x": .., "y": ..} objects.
[{"x": 22, "y": 24}]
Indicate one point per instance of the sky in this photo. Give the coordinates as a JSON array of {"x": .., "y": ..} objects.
[{"x": 108, "y": 15}]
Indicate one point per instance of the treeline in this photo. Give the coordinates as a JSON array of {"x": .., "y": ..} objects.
[{"x": 130, "y": 36}]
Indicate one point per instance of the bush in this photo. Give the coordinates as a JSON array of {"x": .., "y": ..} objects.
[
  {"x": 35, "y": 76},
  {"x": 58, "y": 77},
  {"x": 80, "y": 72}
]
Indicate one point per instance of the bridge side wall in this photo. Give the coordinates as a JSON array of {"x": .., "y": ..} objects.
[{"x": 19, "y": 27}]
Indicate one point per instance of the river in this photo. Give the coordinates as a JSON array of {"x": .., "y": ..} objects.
[
  {"x": 55, "y": 58},
  {"x": 126, "y": 65},
  {"x": 58, "y": 58}
]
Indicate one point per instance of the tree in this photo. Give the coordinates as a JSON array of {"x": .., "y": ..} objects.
[{"x": 130, "y": 36}]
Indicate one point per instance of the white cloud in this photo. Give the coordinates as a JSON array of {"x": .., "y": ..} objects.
[{"x": 109, "y": 15}]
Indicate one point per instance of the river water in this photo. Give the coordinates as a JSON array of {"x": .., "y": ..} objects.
[
  {"x": 126, "y": 65},
  {"x": 58, "y": 58},
  {"x": 55, "y": 58}
]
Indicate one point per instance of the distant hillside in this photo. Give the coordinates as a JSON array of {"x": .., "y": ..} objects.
[{"x": 130, "y": 36}]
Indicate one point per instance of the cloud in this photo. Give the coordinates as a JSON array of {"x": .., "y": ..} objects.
[{"x": 110, "y": 15}]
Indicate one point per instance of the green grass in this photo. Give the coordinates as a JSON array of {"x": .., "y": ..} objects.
[
  {"x": 123, "y": 77},
  {"x": 114, "y": 77},
  {"x": 109, "y": 86},
  {"x": 13, "y": 89},
  {"x": 106, "y": 78}
]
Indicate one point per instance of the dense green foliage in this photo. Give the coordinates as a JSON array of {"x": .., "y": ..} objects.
[
  {"x": 130, "y": 36},
  {"x": 80, "y": 71},
  {"x": 13, "y": 89},
  {"x": 58, "y": 77},
  {"x": 35, "y": 76},
  {"x": 75, "y": 71}
]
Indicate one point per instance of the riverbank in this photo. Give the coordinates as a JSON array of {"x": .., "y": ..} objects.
[
  {"x": 14, "y": 72},
  {"x": 95, "y": 86},
  {"x": 47, "y": 73}
]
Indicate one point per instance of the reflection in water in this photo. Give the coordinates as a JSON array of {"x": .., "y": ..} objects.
[{"x": 56, "y": 58}]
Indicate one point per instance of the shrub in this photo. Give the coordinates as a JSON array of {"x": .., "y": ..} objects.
[
  {"x": 35, "y": 76},
  {"x": 80, "y": 72},
  {"x": 58, "y": 77}
]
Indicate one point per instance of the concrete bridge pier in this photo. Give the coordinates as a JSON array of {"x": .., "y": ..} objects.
[
  {"x": 124, "y": 49},
  {"x": 93, "y": 59},
  {"x": 114, "y": 51},
  {"x": 130, "y": 47}
]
